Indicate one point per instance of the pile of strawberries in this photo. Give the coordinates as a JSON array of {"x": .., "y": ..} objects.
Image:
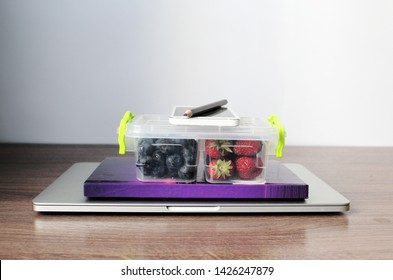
[{"x": 227, "y": 159}]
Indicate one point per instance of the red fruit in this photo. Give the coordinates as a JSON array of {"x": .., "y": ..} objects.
[
  {"x": 219, "y": 169},
  {"x": 218, "y": 148},
  {"x": 247, "y": 147},
  {"x": 248, "y": 167}
]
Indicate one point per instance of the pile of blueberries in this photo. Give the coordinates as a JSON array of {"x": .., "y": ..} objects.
[{"x": 167, "y": 158}]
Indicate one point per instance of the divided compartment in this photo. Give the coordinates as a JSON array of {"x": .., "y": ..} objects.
[
  {"x": 235, "y": 161},
  {"x": 166, "y": 160}
]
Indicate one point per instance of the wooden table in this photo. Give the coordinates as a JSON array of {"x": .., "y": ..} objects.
[{"x": 363, "y": 175}]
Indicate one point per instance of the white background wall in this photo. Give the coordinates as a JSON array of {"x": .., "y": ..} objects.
[{"x": 69, "y": 69}]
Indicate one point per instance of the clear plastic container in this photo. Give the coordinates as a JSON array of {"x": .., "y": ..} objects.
[
  {"x": 176, "y": 153},
  {"x": 235, "y": 161},
  {"x": 166, "y": 159}
]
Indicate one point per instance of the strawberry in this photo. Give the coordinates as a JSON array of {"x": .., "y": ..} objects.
[
  {"x": 219, "y": 169},
  {"x": 247, "y": 147},
  {"x": 218, "y": 148},
  {"x": 248, "y": 167}
]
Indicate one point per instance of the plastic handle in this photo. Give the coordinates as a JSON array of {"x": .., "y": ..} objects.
[
  {"x": 128, "y": 116},
  {"x": 275, "y": 121}
]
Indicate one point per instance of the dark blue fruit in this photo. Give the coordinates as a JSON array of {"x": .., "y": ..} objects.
[
  {"x": 159, "y": 156},
  {"x": 174, "y": 161},
  {"x": 146, "y": 164},
  {"x": 167, "y": 146},
  {"x": 145, "y": 146},
  {"x": 159, "y": 171},
  {"x": 187, "y": 172},
  {"x": 172, "y": 172},
  {"x": 189, "y": 156}
]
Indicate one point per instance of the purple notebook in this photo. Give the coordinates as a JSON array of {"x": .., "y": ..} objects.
[{"x": 115, "y": 177}]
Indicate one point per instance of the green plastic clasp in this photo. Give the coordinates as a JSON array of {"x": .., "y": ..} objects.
[
  {"x": 274, "y": 120},
  {"x": 128, "y": 116}
]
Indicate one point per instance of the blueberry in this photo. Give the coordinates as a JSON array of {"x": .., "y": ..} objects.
[
  {"x": 189, "y": 156},
  {"x": 173, "y": 172},
  {"x": 159, "y": 171},
  {"x": 167, "y": 146},
  {"x": 174, "y": 161},
  {"x": 187, "y": 172},
  {"x": 145, "y": 146},
  {"x": 159, "y": 156},
  {"x": 146, "y": 164},
  {"x": 191, "y": 144}
]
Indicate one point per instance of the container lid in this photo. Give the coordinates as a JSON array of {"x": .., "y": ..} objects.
[{"x": 158, "y": 126}]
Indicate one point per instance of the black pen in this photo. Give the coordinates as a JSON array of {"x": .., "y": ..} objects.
[{"x": 198, "y": 111}]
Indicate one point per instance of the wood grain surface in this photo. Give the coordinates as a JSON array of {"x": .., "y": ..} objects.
[{"x": 363, "y": 175}]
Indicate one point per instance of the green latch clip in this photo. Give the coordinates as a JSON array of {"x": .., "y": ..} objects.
[
  {"x": 274, "y": 120},
  {"x": 128, "y": 116}
]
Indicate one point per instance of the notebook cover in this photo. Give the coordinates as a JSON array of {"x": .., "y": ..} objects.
[{"x": 115, "y": 177}]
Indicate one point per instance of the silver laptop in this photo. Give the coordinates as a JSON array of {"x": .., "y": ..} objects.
[{"x": 65, "y": 194}]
